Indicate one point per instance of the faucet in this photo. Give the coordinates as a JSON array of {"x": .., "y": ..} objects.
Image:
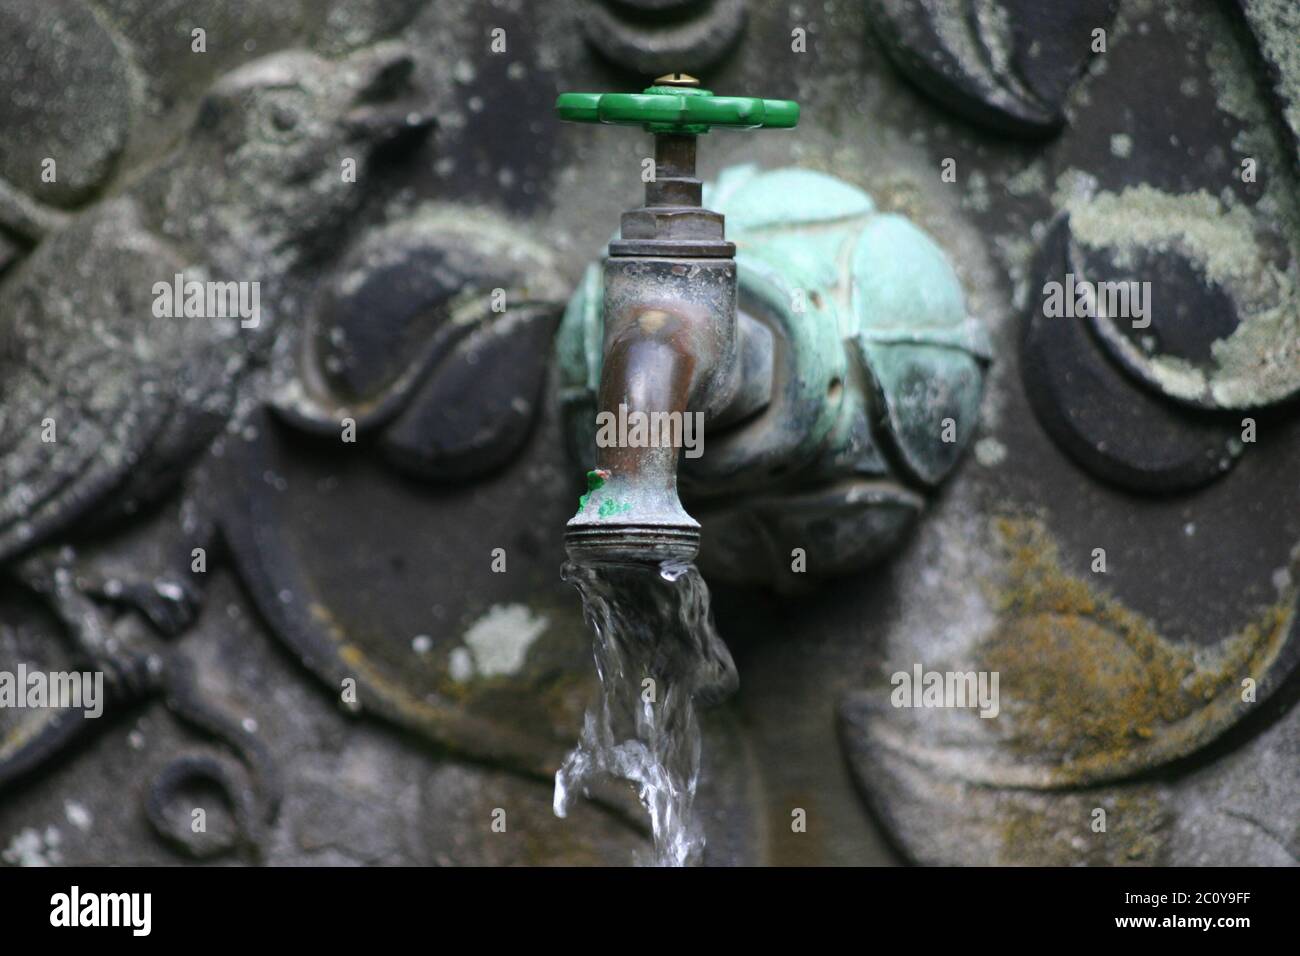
[{"x": 672, "y": 346}]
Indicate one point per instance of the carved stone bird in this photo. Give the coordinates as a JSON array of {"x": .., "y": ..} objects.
[
  {"x": 105, "y": 394},
  {"x": 109, "y": 392}
]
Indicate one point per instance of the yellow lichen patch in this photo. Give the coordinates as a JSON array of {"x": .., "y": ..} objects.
[
  {"x": 1090, "y": 686},
  {"x": 1037, "y": 829}
]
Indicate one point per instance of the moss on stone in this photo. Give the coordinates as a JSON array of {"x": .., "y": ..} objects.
[{"x": 1088, "y": 681}]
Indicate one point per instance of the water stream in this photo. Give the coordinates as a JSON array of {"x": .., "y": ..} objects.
[{"x": 657, "y": 657}]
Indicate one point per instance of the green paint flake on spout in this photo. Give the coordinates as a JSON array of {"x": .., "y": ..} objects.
[
  {"x": 595, "y": 479},
  {"x": 609, "y": 507}
]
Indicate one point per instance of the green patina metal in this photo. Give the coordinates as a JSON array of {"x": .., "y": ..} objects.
[
  {"x": 884, "y": 368},
  {"x": 609, "y": 508},
  {"x": 605, "y": 497},
  {"x": 595, "y": 479}
]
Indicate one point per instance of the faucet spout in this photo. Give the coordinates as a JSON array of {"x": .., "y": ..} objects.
[
  {"x": 649, "y": 372},
  {"x": 631, "y": 511}
]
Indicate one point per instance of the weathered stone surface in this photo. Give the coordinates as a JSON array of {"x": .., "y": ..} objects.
[
  {"x": 68, "y": 88},
  {"x": 477, "y": 409},
  {"x": 1188, "y": 187},
  {"x": 1005, "y": 64},
  {"x": 9, "y": 253},
  {"x": 1236, "y": 811},
  {"x": 1113, "y": 427},
  {"x": 163, "y": 39},
  {"x": 110, "y": 397},
  {"x": 665, "y": 37},
  {"x": 1275, "y": 25},
  {"x": 1159, "y": 127},
  {"x": 87, "y": 359},
  {"x": 135, "y": 389},
  {"x": 1222, "y": 329},
  {"x": 484, "y": 663},
  {"x": 29, "y": 633},
  {"x": 1197, "y": 565},
  {"x": 357, "y": 792},
  {"x": 1090, "y": 696},
  {"x": 845, "y": 528},
  {"x": 436, "y": 329}
]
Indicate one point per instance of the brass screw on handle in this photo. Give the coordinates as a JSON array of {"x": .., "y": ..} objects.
[{"x": 676, "y": 79}]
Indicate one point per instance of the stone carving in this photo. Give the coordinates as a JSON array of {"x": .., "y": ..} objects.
[
  {"x": 1006, "y": 64},
  {"x": 1091, "y": 696},
  {"x": 1111, "y": 425},
  {"x": 663, "y": 36},
  {"x": 138, "y": 399},
  {"x": 72, "y": 100},
  {"x": 423, "y": 313},
  {"x": 464, "y": 302},
  {"x": 1207, "y": 249},
  {"x": 73, "y": 90},
  {"x": 1224, "y": 324},
  {"x": 408, "y": 316},
  {"x": 373, "y": 560},
  {"x": 130, "y": 394},
  {"x": 1126, "y": 701},
  {"x": 1274, "y": 25}
]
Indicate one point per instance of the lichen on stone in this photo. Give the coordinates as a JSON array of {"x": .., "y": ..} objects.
[
  {"x": 1259, "y": 362},
  {"x": 1087, "y": 681}
]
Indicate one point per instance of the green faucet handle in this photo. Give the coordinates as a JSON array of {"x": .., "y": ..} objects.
[{"x": 676, "y": 104}]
